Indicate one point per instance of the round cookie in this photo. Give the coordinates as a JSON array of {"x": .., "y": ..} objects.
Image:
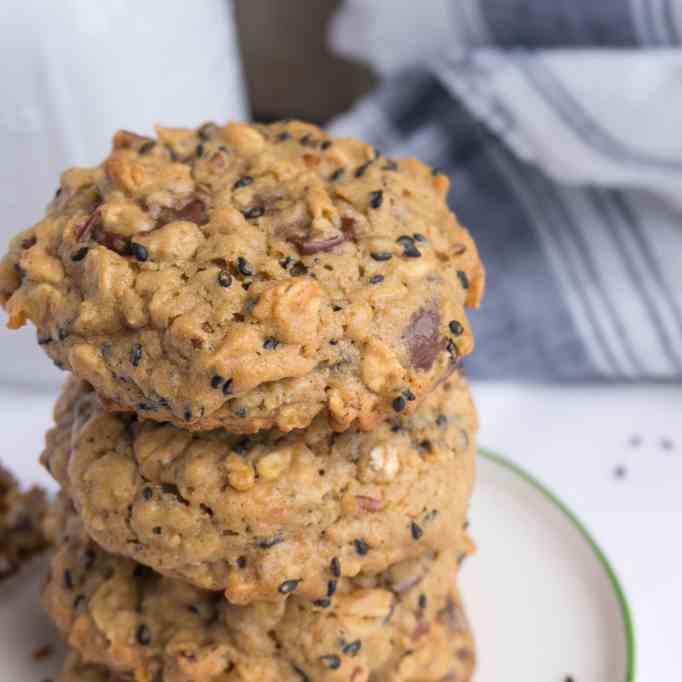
[
  {"x": 406, "y": 624},
  {"x": 249, "y": 276},
  {"x": 265, "y": 515}
]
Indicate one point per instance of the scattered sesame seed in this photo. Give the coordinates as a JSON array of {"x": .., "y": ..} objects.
[
  {"x": 352, "y": 648},
  {"x": 331, "y": 588},
  {"x": 422, "y": 601},
  {"x": 331, "y": 661},
  {"x": 288, "y": 586},
  {"x": 405, "y": 240},
  {"x": 270, "y": 343},
  {"x": 156, "y": 530},
  {"x": 412, "y": 252},
  {"x": 68, "y": 580},
  {"x": 242, "y": 447},
  {"x": 136, "y": 354},
  {"x": 419, "y": 237},
  {"x": 408, "y": 395},
  {"x": 187, "y": 414},
  {"x": 143, "y": 636},
  {"x": 244, "y": 267},
  {"x": 139, "y": 252},
  {"x": 441, "y": 420},
  {"x": 322, "y": 603},
  {"x": 301, "y": 673},
  {"x": 240, "y": 411},
  {"x": 360, "y": 170},
  {"x": 390, "y": 166},
  {"x": 283, "y": 136},
  {"x": 376, "y": 279},
  {"x": 325, "y": 144},
  {"x": 199, "y": 151},
  {"x": 399, "y": 404},
  {"x": 361, "y": 547},
  {"x": 253, "y": 212},
  {"x": 79, "y": 601},
  {"x": 147, "y": 493},
  {"x": 171, "y": 153},
  {"x": 241, "y": 562},
  {"x": 376, "y": 198},
  {"x": 244, "y": 181},
  {"x": 286, "y": 262},
  {"x": 381, "y": 255},
  {"x": 336, "y": 567},
  {"x": 337, "y": 174},
  {"x": 416, "y": 530},
  {"x": 88, "y": 559},
  {"x": 463, "y": 279},
  {"x": 307, "y": 141},
  {"x": 80, "y": 254},
  {"x": 227, "y": 389},
  {"x": 217, "y": 381},
  {"x": 456, "y": 327}
]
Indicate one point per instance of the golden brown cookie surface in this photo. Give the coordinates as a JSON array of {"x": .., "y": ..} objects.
[
  {"x": 263, "y": 515},
  {"x": 249, "y": 276},
  {"x": 404, "y": 625}
]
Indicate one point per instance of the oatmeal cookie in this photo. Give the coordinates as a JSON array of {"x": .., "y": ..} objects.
[
  {"x": 249, "y": 276},
  {"x": 21, "y": 515},
  {"x": 264, "y": 515},
  {"x": 406, "y": 624}
]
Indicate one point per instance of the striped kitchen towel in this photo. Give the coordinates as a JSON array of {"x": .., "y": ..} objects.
[{"x": 560, "y": 124}]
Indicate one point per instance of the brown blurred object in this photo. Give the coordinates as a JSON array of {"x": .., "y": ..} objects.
[{"x": 289, "y": 70}]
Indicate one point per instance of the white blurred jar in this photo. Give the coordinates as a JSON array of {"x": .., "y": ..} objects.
[{"x": 75, "y": 71}]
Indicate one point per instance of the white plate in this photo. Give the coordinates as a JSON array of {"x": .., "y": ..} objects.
[{"x": 543, "y": 600}]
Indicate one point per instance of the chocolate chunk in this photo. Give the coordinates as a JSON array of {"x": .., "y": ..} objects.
[
  {"x": 194, "y": 211},
  {"x": 307, "y": 247},
  {"x": 423, "y": 338}
]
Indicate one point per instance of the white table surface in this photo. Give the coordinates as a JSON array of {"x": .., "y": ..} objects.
[{"x": 573, "y": 439}]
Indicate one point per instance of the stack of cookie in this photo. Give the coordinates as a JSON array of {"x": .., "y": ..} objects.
[{"x": 266, "y": 451}]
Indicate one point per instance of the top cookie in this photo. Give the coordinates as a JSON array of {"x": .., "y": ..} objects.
[{"x": 249, "y": 276}]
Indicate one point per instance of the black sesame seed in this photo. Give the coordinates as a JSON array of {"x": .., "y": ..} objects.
[
  {"x": 244, "y": 181},
  {"x": 240, "y": 411},
  {"x": 352, "y": 648},
  {"x": 241, "y": 562},
  {"x": 199, "y": 151},
  {"x": 376, "y": 198},
  {"x": 244, "y": 267},
  {"x": 270, "y": 542},
  {"x": 242, "y": 446},
  {"x": 430, "y": 516},
  {"x": 224, "y": 278},
  {"x": 376, "y": 279},
  {"x": 441, "y": 420},
  {"x": 68, "y": 580},
  {"x": 227, "y": 389},
  {"x": 62, "y": 333},
  {"x": 408, "y": 395},
  {"x": 325, "y": 144},
  {"x": 412, "y": 251},
  {"x": 80, "y": 254},
  {"x": 147, "y": 147},
  {"x": 456, "y": 327},
  {"x": 136, "y": 354},
  {"x": 331, "y": 588},
  {"x": 288, "y": 586},
  {"x": 88, "y": 559},
  {"x": 58, "y": 191},
  {"x": 361, "y": 170},
  {"x": 337, "y": 174},
  {"x": 171, "y": 153},
  {"x": 283, "y": 136},
  {"x": 301, "y": 673},
  {"x": 147, "y": 493},
  {"x": 79, "y": 601},
  {"x": 331, "y": 661},
  {"x": 156, "y": 530},
  {"x": 270, "y": 343},
  {"x": 322, "y": 603},
  {"x": 253, "y": 212},
  {"x": 381, "y": 255},
  {"x": 399, "y": 404},
  {"x": 187, "y": 414},
  {"x": 405, "y": 240},
  {"x": 286, "y": 262},
  {"x": 139, "y": 252},
  {"x": 143, "y": 636},
  {"x": 142, "y": 571},
  {"x": 390, "y": 166},
  {"x": 463, "y": 279},
  {"x": 422, "y": 601},
  {"x": 451, "y": 347},
  {"x": 336, "y": 567},
  {"x": 426, "y": 446},
  {"x": 416, "y": 530},
  {"x": 419, "y": 237},
  {"x": 361, "y": 547},
  {"x": 217, "y": 381}
]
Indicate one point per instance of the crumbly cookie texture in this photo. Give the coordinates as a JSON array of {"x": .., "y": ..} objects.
[
  {"x": 21, "y": 516},
  {"x": 260, "y": 516},
  {"x": 406, "y": 624},
  {"x": 249, "y": 276}
]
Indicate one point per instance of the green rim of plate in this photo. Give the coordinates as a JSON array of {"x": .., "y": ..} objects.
[{"x": 626, "y": 612}]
